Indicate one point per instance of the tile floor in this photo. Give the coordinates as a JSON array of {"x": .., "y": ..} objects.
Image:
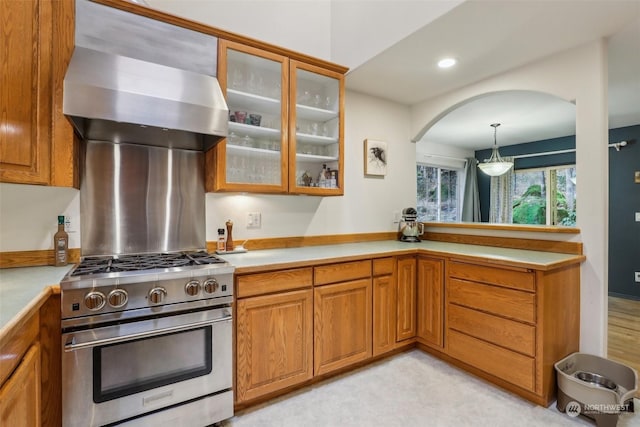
[{"x": 407, "y": 390}]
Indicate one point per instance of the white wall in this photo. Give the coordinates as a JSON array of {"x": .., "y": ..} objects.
[
  {"x": 28, "y": 213},
  {"x": 368, "y": 203},
  {"x": 300, "y": 25},
  {"x": 578, "y": 75},
  {"x": 29, "y": 216}
]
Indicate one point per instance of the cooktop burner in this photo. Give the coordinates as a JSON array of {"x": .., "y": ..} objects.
[{"x": 124, "y": 263}]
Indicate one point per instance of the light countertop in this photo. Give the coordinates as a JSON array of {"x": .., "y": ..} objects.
[
  {"x": 290, "y": 257},
  {"x": 21, "y": 287}
]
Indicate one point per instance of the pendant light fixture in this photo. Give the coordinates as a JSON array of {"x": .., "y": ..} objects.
[{"x": 495, "y": 166}]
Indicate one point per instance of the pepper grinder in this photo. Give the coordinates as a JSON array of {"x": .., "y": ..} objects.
[{"x": 229, "y": 225}]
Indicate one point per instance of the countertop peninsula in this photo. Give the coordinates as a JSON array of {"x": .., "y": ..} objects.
[{"x": 22, "y": 287}]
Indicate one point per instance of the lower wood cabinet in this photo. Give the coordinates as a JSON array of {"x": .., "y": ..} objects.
[
  {"x": 274, "y": 332},
  {"x": 274, "y": 348},
  {"x": 406, "y": 298},
  {"x": 342, "y": 325},
  {"x": 430, "y": 301},
  {"x": 507, "y": 324},
  {"x": 511, "y": 324},
  {"x": 20, "y": 395},
  {"x": 30, "y": 368},
  {"x": 384, "y": 305}
]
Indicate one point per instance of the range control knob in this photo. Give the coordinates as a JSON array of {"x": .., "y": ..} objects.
[
  {"x": 210, "y": 286},
  {"x": 156, "y": 295},
  {"x": 192, "y": 288},
  {"x": 118, "y": 298},
  {"x": 94, "y": 300}
]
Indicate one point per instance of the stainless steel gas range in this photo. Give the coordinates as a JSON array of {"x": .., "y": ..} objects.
[{"x": 147, "y": 340}]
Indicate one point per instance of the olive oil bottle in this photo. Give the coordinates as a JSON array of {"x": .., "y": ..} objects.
[{"x": 61, "y": 244}]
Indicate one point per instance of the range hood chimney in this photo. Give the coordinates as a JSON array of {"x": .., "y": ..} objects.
[{"x": 137, "y": 80}]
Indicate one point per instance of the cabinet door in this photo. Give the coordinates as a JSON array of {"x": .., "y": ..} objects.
[
  {"x": 25, "y": 100},
  {"x": 430, "y": 301},
  {"x": 316, "y": 130},
  {"x": 384, "y": 314},
  {"x": 406, "y": 294},
  {"x": 342, "y": 325},
  {"x": 253, "y": 157},
  {"x": 273, "y": 339},
  {"x": 20, "y": 395}
]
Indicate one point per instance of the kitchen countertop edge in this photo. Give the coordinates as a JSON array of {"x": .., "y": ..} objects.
[{"x": 35, "y": 284}]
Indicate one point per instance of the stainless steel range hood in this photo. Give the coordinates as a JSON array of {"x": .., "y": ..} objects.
[{"x": 137, "y": 80}]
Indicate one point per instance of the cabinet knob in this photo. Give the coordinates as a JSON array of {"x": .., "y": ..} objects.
[
  {"x": 118, "y": 298},
  {"x": 156, "y": 295},
  {"x": 192, "y": 288},
  {"x": 210, "y": 286},
  {"x": 94, "y": 300}
]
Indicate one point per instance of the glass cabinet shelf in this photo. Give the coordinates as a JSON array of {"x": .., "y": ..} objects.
[
  {"x": 315, "y": 139},
  {"x": 314, "y": 114},
  {"x": 300, "y": 157},
  {"x": 252, "y": 151},
  {"x": 242, "y": 129},
  {"x": 252, "y": 102}
]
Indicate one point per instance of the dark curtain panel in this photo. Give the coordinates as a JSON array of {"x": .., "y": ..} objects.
[{"x": 471, "y": 199}]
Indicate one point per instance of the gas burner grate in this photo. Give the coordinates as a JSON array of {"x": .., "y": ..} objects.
[{"x": 124, "y": 263}]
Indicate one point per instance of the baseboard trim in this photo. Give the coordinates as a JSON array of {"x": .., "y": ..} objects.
[{"x": 34, "y": 258}]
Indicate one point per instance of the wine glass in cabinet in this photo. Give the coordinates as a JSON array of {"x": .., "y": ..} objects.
[
  {"x": 253, "y": 157},
  {"x": 316, "y": 123}
]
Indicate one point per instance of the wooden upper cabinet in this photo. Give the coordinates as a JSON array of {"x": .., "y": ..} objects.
[
  {"x": 285, "y": 123},
  {"x": 253, "y": 157},
  {"x": 316, "y": 130},
  {"x": 430, "y": 301},
  {"x": 36, "y": 140}
]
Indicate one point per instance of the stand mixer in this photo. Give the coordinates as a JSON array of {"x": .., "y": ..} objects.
[{"x": 409, "y": 228}]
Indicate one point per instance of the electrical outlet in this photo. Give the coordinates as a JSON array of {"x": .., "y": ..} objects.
[
  {"x": 637, "y": 216},
  {"x": 254, "y": 220},
  {"x": 638, "y": 276},
  {"x": 69, "y": 224}
]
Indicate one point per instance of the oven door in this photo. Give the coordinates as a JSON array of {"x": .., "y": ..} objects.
[{"x": 115, "y": 372}]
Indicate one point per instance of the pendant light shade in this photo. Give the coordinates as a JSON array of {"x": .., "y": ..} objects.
[{"x": 495, "y": 166}]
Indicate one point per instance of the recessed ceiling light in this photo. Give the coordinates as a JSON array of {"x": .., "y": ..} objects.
[{"x": 447, "y": 62}]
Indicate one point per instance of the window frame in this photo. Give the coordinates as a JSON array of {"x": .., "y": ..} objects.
[
  {"x": 460, "y": 182},
  {"x": 547, "y": 179}
]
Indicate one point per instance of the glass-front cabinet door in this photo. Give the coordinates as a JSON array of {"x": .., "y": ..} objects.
[
  {"x": 253, "y": 157},
  {"x": 316, "y": 100}
]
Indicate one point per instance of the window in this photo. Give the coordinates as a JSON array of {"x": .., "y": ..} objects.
[
  {"x": 532, "y": 196},
  {"x": 437, "y": 194}
]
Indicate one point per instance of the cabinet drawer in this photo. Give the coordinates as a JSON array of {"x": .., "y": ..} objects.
[
  {"x": 510, "y": 303},
  {"x": 382, "y": 266},
  {"x": 275, "y": 281},
  {"x": 512, "y": 367},
  {"x": 342, "y": 272},
  {"x": 503, "y": 332},
  {"x": 517, "y": 279}
]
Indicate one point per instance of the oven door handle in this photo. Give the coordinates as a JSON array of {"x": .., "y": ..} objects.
[{"x": 73, "y": 346}]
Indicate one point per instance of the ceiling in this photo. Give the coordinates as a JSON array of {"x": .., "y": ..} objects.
[{"x": 492, "y": 37}]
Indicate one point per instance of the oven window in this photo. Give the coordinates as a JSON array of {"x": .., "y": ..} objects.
[{"x": 134, "y": 366}]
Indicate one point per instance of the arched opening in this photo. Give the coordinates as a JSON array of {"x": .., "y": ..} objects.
[{"x": 536, "y": 132}]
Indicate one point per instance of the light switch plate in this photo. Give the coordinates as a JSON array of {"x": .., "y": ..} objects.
[
  {"x": 254, "y": 220},
  {"x": 638, "y": 276},
  {"x": 637, "y": 216}
]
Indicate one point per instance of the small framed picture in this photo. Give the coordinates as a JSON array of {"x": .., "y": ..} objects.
[
  {"x": 637, "y": 177},
  {"x": 375, "y": 157}
]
